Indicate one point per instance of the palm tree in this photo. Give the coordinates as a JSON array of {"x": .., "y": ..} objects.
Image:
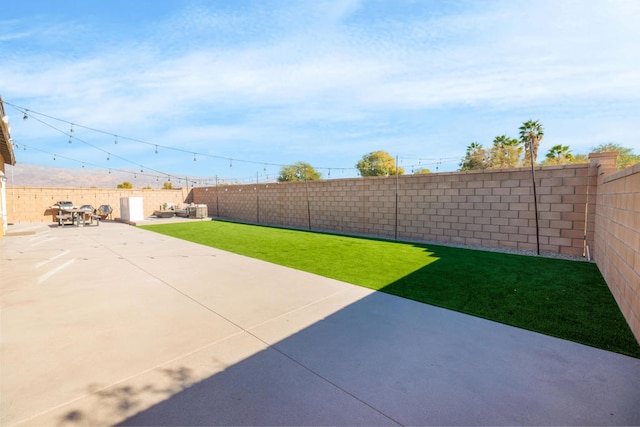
[
  {"x": 531, "y": 133},
  {"x": 559, "y": 155},
  {"x": 476, "y": 158},
  {"x": 505, "y": 152}
]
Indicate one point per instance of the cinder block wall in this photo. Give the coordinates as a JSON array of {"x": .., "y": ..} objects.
[
  {"x": 32, "y": 204},
  {"x": 481, "y": 208},
  {"x": 617, "y": 238}
]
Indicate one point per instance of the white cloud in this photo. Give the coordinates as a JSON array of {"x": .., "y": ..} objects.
[{"x": 318, "y": 72}]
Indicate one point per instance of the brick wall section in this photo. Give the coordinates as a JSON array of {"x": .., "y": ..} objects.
[
  {"x": 32, "y": 204},
  {"x": 479, "y": 208},
  {"x": 617, "y": 238}
]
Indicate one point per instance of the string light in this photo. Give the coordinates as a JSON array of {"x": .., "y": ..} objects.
[
  {"x": 117, "y": 137},
  {"x": 72, "y": 127}
]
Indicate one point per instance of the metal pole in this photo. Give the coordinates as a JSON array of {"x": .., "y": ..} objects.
[
  {"x": 307, "y": 189},
  {"x": 586, "y": 211},
  {"x": 257, "y": 200},
  {"x": 396, "y": 226},
  {"x": 217, "y": 204},
  {"x": 535, "y": 195}
]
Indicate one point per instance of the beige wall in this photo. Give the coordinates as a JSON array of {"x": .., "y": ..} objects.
[
  {"x": 31, "y": 204},
  {"x": 481, "y": 208},
  {"x": 617, "y": 239},
  {"x": 486, "y": 208}
]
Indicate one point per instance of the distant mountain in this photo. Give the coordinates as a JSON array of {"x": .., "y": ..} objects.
[{"x": 29, "y": 175}]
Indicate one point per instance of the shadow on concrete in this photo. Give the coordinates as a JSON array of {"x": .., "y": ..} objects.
[{"x": 385, "y": 360}]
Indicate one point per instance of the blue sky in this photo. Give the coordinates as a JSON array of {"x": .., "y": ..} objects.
[{"x": 246, "y": 86}]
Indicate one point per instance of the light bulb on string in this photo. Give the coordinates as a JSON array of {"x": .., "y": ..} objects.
[
  {"x": 54, "y": 157},
  {"x": 109, "y": 171},
  {"x": 194, "y": 157},
  {"x": 108, "y": 155},
  {"x": 71, "y": 128},
  {"x": 25, "y": 116},
  {"x": 69, "y": 139},
  {"x": 115, "y": 141},
  {"x": 156, "y": 149},
  {"x": 230, "y": 163}
]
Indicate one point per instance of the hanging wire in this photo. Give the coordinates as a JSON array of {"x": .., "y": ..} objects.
[
  {"x": 72, "y": 128},
  {"x": 117, "y": 138}
]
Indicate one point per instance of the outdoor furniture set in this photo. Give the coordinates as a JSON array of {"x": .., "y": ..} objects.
[{"x": 68, "y": 213}]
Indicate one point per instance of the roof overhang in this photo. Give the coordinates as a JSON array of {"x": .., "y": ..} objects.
[{"x": 6, "y": 146}]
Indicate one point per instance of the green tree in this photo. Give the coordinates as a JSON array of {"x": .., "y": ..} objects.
[
  {"x": 559, "y": 155},
  {"x": 378, "y": 163},
  {"x": 531, "y": 133},
  {"x": 580, "y": 158},
  {"x": 626, "y": 157},
  {"x": 125, "y": 184},
  {"x": 476, "y": 158},
  {"x": 422, "y": 171},
  {"x": 299, "y": 171},
  {"x": 505, "y": 152},
  {"x": 167, "y": 186}
]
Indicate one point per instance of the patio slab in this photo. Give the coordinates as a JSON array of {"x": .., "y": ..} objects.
[{"x": 117, "y": 325}]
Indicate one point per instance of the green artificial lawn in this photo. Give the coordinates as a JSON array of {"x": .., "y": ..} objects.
[{"x": 565, "y": 299}]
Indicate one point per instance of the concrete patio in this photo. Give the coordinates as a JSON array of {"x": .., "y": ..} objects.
[{"x": 114, "y": 325}]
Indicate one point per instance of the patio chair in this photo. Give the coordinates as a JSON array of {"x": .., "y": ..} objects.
[{"x": 104, "y": 211}]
